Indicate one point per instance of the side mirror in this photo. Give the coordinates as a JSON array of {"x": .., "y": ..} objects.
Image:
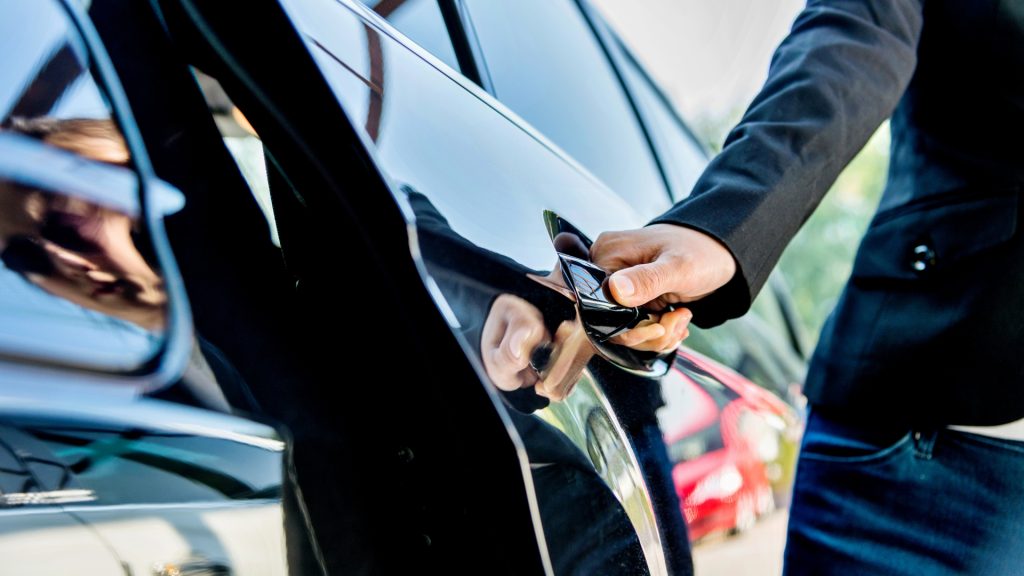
[{"x": 82, "y": 285}]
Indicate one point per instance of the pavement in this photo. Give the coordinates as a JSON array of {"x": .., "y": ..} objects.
[{"x": 757, "y": 552}]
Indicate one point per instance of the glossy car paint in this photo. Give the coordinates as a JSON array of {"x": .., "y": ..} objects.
[
  {"x": 490, "y": 207},
  {"x": 760, "y": 343},
  {"x": 151, "y": 483},
  {"x": 473, "y": 182},
  {"x": 727, "y": 437}
]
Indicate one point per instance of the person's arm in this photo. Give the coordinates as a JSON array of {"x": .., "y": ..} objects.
[{"x": 836, "y": 77}]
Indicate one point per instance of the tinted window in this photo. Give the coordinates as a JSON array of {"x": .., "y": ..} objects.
[
  {"x": 547, "y": 66},
  {"x": 78, "y": 281},
  {"x": 681, "y": 156},
  {"x": 421, "y": 21}
]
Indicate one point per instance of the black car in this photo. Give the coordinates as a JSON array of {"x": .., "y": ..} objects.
[
  {"x": 562, "y": 68},
  {"x": 381, "y": 259}
]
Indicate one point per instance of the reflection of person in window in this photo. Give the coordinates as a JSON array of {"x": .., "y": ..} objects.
[
  {"x": 75, "y": 249},
  {"x": 85, "y": 253}
]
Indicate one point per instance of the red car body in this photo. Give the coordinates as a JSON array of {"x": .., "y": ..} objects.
[{"x": 721, "y": 438}]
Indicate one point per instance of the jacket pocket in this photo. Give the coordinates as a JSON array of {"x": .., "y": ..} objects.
[{"x": 926, "y": 238}]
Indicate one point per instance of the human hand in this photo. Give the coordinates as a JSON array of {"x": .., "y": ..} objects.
[
  {"x": 513, "y": 330},
  {"x": 662, "y": 333},
  {"x": 657, "y": 267}
]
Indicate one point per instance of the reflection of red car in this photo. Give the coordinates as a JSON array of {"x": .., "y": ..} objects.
[{"x": 721, "y": 433}]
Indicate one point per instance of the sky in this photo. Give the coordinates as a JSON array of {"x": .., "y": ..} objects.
[{"x": 710, "y": 56}]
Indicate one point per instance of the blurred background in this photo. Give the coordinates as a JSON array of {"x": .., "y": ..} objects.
[{"x": 711, "y": 57}]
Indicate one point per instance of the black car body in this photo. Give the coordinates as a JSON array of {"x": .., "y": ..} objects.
[
  {"x": 563, "y": 69},
  {"x": 353, "y": 285}
]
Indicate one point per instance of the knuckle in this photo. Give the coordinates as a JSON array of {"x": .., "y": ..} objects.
[
  {"x": 650, "y": 278},
  {"x": 604, "y": 240}
]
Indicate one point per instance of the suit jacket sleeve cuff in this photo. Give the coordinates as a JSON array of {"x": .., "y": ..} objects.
[{"x": 734, "y": 298}]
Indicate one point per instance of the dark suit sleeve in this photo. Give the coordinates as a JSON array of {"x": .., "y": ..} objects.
[{"x": 836, "y": 77}]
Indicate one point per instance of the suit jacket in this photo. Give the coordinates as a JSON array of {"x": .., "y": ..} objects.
[{"x": 930, "y": 326}]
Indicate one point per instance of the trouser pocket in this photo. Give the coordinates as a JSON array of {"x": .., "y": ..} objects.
[{"x": 826, "y": 439}]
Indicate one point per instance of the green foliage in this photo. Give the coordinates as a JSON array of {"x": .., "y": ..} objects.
[{"x": 817, "y": 263}]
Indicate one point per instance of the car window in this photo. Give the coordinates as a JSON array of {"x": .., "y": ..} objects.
[
  {"x": 79, "y": 284},
  {"x": 682, "y": 157},
  {"x": 546, "y": 64},
  {"x": 422, "y": 22}
]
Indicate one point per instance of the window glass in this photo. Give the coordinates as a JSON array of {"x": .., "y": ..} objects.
[
  {"x": 422, "y": 22},
  {"x": 682, "y": 158},
  {"x": 79, "y": 283},
  {"x": 547, "y": 66}
]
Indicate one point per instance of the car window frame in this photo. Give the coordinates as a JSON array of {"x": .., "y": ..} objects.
[
  {"x": 476, "y": 65},
  {"x": 622, "y": 52}
]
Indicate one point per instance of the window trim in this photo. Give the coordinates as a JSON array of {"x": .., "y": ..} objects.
[
  {"x": 624, "y": 52},
  {"x": 466, "y": 43},
  {"x": 606, "y": 38}
]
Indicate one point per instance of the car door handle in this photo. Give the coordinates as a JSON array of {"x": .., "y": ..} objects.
[{"x": 601, "y": 316}]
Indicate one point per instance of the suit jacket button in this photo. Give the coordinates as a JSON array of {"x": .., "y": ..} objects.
[{"x": 923, "y": 258}]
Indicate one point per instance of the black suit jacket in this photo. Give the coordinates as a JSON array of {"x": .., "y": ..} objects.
[{"x": 930, "y": 326}]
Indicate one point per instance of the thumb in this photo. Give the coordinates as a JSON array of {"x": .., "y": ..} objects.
[{"x": 638, "y": 285}]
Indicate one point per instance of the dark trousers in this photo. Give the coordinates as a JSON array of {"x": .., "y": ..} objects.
[{"x": 882, "y": 500}]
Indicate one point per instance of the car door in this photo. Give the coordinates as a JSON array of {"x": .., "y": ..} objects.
[
  {"x": 488, "y": 199},
  {"x": 602, "y": 107},
  {"x": 553, "y": 63},
  {"x": 168, "y": 488},
  {"x": 117, "y": 452},
  {"x": 32, "y": 525}
]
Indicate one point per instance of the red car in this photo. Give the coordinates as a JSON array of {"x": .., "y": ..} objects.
[{"x": 724, "y": 437}]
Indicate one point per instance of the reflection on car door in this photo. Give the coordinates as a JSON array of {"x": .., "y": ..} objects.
[
  {"x": 165, "y": 496},
  {"x": 32, "y": 526},
  {"x": 475, "y": 183},
  {"x": 479, "y": 213}
]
